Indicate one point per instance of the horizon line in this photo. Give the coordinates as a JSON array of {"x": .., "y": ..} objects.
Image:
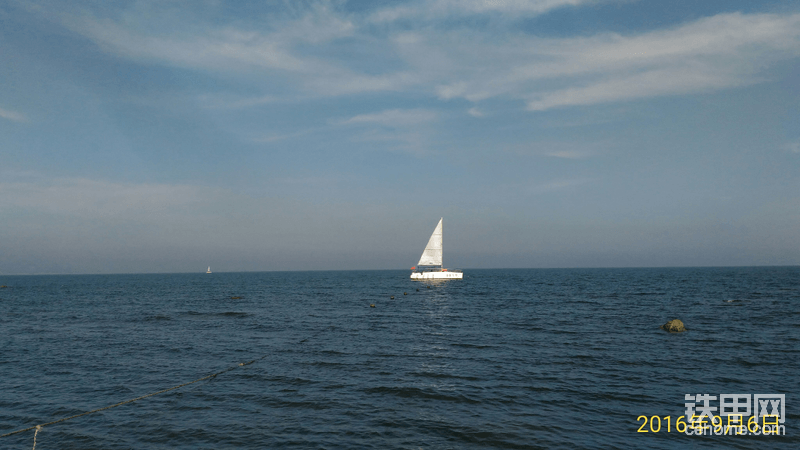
[{"x": 386, "y": 270}]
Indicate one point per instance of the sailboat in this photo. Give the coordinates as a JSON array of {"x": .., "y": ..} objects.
[
  {"x": 430, "y": 265},
  {"x": 209, "y": 269}
]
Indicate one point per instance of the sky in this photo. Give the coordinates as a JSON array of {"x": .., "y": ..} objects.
[{"x": 168, "y": 136}]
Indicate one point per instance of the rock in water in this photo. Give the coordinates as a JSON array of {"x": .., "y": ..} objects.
[{"x": 673, "y": 326}]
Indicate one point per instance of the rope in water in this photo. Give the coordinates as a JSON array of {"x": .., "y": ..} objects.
[{"x": 40, "y": 426}]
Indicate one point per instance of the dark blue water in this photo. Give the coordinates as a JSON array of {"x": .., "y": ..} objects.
[{"x": 501, "y": 359}]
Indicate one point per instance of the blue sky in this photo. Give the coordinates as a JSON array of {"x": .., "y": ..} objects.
[{"x": 168, "y": 136}]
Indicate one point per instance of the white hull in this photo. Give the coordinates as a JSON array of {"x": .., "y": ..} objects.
[{"x": 437, "y": 276}]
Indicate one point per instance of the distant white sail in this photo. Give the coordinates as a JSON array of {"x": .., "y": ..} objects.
[{"x": 432, "y": 256}]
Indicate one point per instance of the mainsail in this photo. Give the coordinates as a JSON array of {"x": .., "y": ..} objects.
[{"x": 432, "y": 256}]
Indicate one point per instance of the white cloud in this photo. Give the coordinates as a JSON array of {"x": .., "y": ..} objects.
[
  {"x": 343, "y": 82},
  {"x": 319, "y": 24},
  {"x": 792, "y": 147},
  {"x": 475, "y": 112},
  {"x": 266, "y": 44},
  {"x": 718, "y": 52},
  {"x": 436, "y": 9},
  {"x": 570, "y": 154},
  {"x": 475, "y": 63},
  {"x": 93, "y": 198},
  {"x": 394, "y": 117},
  {"x": 222, "y": 49},
  {"x": 403, "y": 130},
  {"x": 274, "y": 47},
  {"x": 647, "y": 84},
  {"x": 229, "y": 102},
  {"x": 266, "y": 139},
  {"x": 12, "y": 116},
  {"x": 557, "y": 185}
]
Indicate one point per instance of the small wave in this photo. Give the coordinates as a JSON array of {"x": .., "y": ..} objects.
[
  {"x": 233, "y": 314},
  {"x": 631, "y": 363},
  {"x": 333, "y": 352},
  {"x": 556, "y": 331},
  {"x": 325, "y": 364},
  {"x": 301, "y": 404},
  {"x": 745, "y": 363},
  {"x": 122, "y": 389},
  {"x": 289, "y": 380},
  {"x": 157, "y": 317},
  {"x": 444, "y": 375},
  {"x": 472, "y": 345},
  {"x": 217, "y": 314},
  {"x": 413, "y": 392},
  {"x": 191, "y": 407}
]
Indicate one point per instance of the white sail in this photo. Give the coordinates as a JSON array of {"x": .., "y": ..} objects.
[{"x": 432, "y": 256}]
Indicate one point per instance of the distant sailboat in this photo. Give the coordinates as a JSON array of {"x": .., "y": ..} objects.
[
  {"x": 430, "y": 265},
  {"x": 209, "y": 269}
]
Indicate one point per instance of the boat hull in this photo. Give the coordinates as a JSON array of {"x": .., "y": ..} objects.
[{"x": 437, "y": 275}]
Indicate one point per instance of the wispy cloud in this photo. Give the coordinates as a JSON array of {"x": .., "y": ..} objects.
[
  {"x": 557, "y": 185},
  {"x": 570, "y": 154},
  {"x": 394, "y": 117},
  {"x": 220, "y": 49},
  {"x": 399, "y": 125},
  {"x": 792, "y": 147},
  {"x": 558, "y": 149},
  {"x": 641, "y": 85},
  {"x": 95, "y": 198},
  {"x": 230, "y": 102},
  {"x": 322, "y": 49},
  {"x": 12, "y": 116},
  {"x": 714, "y": 53},
  {"x": 270, "y": 138},
  {"x": 437, "y": 9},
  {"x": 475, "y": 112},
  {"x": 275, "y": 47},
  {"x": 405, "y": 130}
]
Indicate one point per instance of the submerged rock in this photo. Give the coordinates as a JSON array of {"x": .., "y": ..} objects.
[{"x": 673, "y": 326}]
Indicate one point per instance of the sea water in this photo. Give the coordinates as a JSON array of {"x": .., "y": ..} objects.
[{"x": 501, "y": 359}]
